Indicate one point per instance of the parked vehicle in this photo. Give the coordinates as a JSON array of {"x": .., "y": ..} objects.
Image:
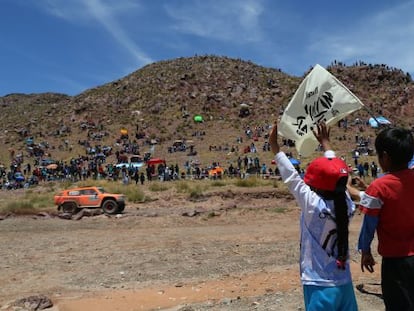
[
  {"x": 135, "y": 162},
  {"x": 71, "y": 200}
]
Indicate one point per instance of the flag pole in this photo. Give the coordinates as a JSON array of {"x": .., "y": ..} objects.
[{"x": 371, "y": 114}]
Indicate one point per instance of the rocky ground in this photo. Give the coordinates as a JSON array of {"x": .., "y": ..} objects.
[{"x": 232, "y": 250}]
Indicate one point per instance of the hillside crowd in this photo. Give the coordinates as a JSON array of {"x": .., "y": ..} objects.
[{"x": 31, "y": 169}]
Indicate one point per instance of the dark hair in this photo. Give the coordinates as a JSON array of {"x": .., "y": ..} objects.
[
  {"x": 398, "y": 143},
  {"x": 341, "y": 217}
]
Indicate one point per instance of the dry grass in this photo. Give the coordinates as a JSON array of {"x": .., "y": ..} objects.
[{"x": 40, "y": 199}]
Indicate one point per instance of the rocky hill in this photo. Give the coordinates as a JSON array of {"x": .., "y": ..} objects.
[{"x": 157, "y": 104}]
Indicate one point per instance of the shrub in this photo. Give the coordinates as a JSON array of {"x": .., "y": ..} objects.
[
  {"x": 132, "y": 192},
  {"x": 182, "y": 186},
  {"x": 136, "y": 196},
  {"x": 196, "y": 192},
  {"x": 158, "y": 186},
  {"x": 106, "y": 184},
  {"x": 254, "y": 181},
  {"x": 19, "y": 207},
  {"x": 40, "y": 200},
  {"x": 65, "y": 184},
  {"x": 279, "y": 210},
  {"x": 248, "y": 182},
  {"x": 218, "y": 183}
]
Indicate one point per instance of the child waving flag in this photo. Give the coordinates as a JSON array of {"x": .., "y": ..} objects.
[{"x": 326, "y": 209}]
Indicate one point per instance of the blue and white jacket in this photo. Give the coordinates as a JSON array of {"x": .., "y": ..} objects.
[{"x": 318, "y": 250}]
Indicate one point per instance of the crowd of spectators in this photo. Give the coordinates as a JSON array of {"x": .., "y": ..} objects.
[{"x": 93, "y": 164}]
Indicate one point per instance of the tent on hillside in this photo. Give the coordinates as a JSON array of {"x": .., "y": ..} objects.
[
  {"x": 380, "y": 119},
  {"x": 198, "y": 118},
  {"x": 155, "y": 161}
]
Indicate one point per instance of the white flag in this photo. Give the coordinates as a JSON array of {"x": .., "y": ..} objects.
[{"x": 320, "y": 97}]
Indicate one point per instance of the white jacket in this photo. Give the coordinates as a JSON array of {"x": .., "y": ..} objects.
[{"x": 318, "y": 230}]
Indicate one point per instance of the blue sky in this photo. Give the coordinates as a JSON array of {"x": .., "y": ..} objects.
[{"x": 69, "y": 46}]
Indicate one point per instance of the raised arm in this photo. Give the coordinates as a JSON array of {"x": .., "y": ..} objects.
[
  {"x": 274, "y": 144},
  {"x": 322, "y": 135}
]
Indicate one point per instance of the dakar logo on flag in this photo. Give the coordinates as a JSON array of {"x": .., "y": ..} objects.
[
  {"x": 320, "y": 97},
  {"x": 316, "y": 110}
]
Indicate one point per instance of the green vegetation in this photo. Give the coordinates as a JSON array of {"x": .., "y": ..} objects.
[
  {"x": 279, "y": 210},
  {"x": 182, "y": 186},
  {"x": 30, "y": 203},
  {"x": 194, "y": 188},
  {"x": 132, "y": 192},
  {"x": 252, "y": 182},
  {"x": 247, "y": 183},
  {"x": 210, "y": 215},
  {"x": 18, "y": 208},
  {"x": 196, "y": 192},
  {"x": 40, "y": 200},
  {"x": 157, "y": 186},
  {"x": 218, "y": 183}
]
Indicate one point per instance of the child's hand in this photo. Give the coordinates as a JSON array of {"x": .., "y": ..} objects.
[
  {"x": 367, "y": 262},
  {"x": 274, "y": 145},
  {"x": 322, "y": 135},
  {"x": 360, "y": 183}
]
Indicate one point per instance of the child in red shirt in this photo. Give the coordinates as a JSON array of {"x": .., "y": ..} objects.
[{"x": 388, "y": 207}]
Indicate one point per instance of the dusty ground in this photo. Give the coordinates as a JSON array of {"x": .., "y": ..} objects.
[{"x": 233, "y": 250}]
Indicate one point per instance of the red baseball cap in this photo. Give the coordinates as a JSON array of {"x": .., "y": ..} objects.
[{"x": 323, "y": 173}]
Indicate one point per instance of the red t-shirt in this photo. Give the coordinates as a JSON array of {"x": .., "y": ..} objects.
[{"x": 391, "y": 198}]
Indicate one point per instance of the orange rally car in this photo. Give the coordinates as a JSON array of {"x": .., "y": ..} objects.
[{"x": 71, "y": 200}]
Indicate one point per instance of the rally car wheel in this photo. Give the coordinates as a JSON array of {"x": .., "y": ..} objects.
[
  {"x": 110, "y": 207},
  {"x": 69, "y": 207}
]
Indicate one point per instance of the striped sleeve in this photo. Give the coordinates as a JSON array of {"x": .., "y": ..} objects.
[
  {"x": 366, "y": 235},
  {"x": 370, "y": 205}
]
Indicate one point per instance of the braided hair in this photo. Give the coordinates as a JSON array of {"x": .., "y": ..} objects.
[
  {"x": 341, "y": 218},
  {"x": 342, "y": 221}
]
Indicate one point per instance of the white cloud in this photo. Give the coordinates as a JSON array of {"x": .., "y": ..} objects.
[
  {"x": 104, "y": 15},
  {"x": 107, "y": 13},
  {"x": 69, "y": 10},
  {"x": 384, "y": 37},
  {"x": 231, "y": 20}
]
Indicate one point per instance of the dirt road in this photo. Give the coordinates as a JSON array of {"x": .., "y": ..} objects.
[{"x": 227, "y": 252}]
